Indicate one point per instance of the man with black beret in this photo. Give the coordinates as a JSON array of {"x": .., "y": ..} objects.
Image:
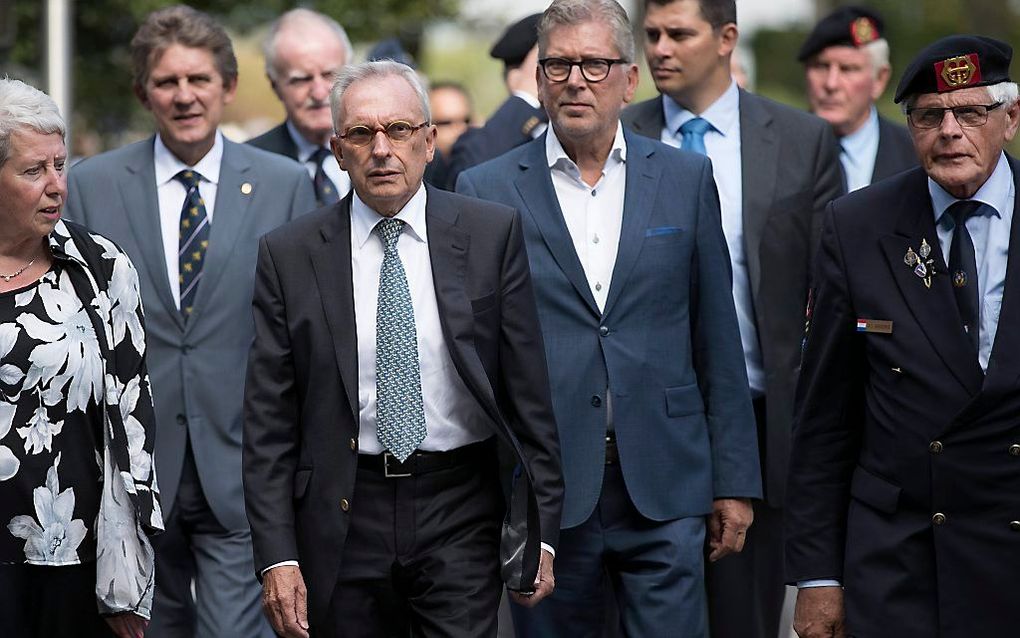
[
  {"x": 903, "y": 503},
  {"x": 520, "y": 118},
  {"x": 846, "y": 68}
]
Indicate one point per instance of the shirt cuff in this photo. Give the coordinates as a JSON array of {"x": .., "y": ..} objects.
[
  {"x": 549, "y": 548},
  {"x": 280, "y": 564},
  {"x": 817, "y": 582}
]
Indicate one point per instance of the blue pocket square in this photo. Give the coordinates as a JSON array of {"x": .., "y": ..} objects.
[{"x": 663, "y": 230}]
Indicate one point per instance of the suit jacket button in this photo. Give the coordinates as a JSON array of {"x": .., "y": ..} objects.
[
  {"x": 1014, "y": 450},
  {"x": 181, "y": 420},
  {"x": 354, "y": 444},
  {"x": 935, "y": 447},
  {"x": 1015, "y": 526},
  {"x": 604, "y": 330},
  {"x": 345, "y": 505},
  {"x": 938, "y": 519},
  {"x": 596, "y": 401}
]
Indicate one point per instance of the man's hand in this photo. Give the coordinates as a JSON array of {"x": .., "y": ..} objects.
[
  {"x": 819, "y": 613},
  {"x": 285, "y": 601},
  {"x": 727, "y": 526},
  {"x": 127, "y": 625},
  {"x": 545, "y": 582}
]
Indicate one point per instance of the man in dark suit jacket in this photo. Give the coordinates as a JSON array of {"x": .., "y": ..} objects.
[
  {"x": 649, "y": 387},
  {"x": 397, "y": 342},
  {"x": 520, "y": 118},
  {"x": 194, "y": 245},
  {"x": 846, "y": 65},
  {"x": 905, "y": 477},
  {"x": 776, "y": 168},
  {"x": 303, "y": 51}
]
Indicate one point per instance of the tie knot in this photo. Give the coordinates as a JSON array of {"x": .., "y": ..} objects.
[
  {"x": 389, "y": 232},
  {"x": 320, "y": 154},
  {"x": 189, "y": 178},
  {"x": 963, "y": 210},
  {"x": 698, "y": 126}
]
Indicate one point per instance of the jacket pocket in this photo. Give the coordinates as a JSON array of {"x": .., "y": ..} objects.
[
  {"x": 684, "y": 400},
  {"x": 483, "y": 303},
  {"x": 301, "y": 479},
  {"x": 874, "y": 491}
]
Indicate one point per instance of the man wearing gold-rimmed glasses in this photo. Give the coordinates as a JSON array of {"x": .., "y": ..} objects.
[{"x": 371, "y": 467}]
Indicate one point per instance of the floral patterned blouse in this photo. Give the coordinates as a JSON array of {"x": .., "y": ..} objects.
[{"x": 77, "y": 481}]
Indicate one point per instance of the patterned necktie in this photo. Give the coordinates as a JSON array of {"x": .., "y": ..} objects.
[
  {"x": 400, "y": 415},
  {"x": 692, "y": 135},
  {"x": 325, "y": 190},
  {"x": 193, "y": 240},
  {"x": 963, "y": 268}
]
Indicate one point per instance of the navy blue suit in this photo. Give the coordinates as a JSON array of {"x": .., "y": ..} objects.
[{"x": 666, "y": 346}]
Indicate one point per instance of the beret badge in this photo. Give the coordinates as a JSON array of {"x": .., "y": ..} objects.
[
  {"x": 863, "y": 31},
  {"x": 957, "y": 72}
]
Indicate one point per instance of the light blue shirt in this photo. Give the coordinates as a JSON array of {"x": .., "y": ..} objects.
[
  {"x": 860, "y": 149},
  {"x": 990, "y": 233},
  {"x": 306, "y": 149},
  {"x": 722, "y": 143}
]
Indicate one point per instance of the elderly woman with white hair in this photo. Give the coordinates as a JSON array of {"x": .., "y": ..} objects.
[{"x": 78, "y": 495}]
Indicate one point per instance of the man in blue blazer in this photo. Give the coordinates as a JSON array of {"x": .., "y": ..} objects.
[
  {"x": 650, "y": 392},
  {"x": 188, "y": 206}
]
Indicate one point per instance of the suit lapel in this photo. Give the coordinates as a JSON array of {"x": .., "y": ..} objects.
[
  {"x": 331, "y": 263},
  {"x": 759, "y": 158},
  {"x": 642, "y": 185},
  {"x": 934, "y": 308},
  {"x": 141, "y": 207},
  {"x": 648, "y": 118},
  {"x": 225, "y": 227},
  {"x": 535, "y": 187}
]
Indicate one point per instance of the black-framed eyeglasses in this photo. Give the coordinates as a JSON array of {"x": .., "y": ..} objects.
[
  {"x": 592, "y": 69},
  {"x": 970, "y": 115},
  {"x": 399, "y": 131}
]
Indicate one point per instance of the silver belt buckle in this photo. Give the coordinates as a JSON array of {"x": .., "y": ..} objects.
[{"x": 386, "y": 467}]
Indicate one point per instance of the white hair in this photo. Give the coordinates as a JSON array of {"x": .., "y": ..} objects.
[
  {"x": 294, "y": 19},
  {"x": 1006, "y": 92},
  {"x": 878, "y": 54},
  {"x": 23, "y": 106},
  {"x": 379, "y": 68}
]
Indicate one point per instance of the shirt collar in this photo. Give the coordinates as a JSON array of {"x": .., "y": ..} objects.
[
  {"x": 305, "y": 149},
  {"x": 529, "y": 98},
  {"x": 723, "y": 114},
  {"x": 364, "y": 219},
  {"x": 856, "y": 144},
  {"x": 556, "y": 157},
  {"x": 168, "y": 165},
  {"x": 995, "y": 192}
]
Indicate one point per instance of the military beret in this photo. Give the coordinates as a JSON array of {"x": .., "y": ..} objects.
[
  {"x": 956, "y": 62},
  {"x": 513, "y": 46},
  {"x": 846, "y": 26}
]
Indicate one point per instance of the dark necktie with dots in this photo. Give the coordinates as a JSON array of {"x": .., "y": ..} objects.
[
  {"x": 194, "y": 240},
  {"x": 325, "y": 190},
  {"x": 963, "y": 268}
]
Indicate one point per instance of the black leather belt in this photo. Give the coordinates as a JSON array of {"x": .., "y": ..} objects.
[
  {"x": 612, "y": 454},
  {"x": 422, "y": 462}
]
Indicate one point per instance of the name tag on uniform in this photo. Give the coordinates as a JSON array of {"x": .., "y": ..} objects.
[{"x": 879, "y": 326}]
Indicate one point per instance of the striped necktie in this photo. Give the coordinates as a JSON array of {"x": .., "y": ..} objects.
[{"x": 193, "y": 240}]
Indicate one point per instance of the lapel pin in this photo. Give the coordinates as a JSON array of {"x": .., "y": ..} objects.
[
  {"x": 925, "y": 249},
  {"x": 910, "y": 258},
  {"x": 246, "y": 188}
]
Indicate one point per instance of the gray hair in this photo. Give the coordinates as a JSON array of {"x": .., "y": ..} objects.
[
  {"x": 878, "y": 55},
  {"x": 296, "y": 17},
  {"x": 23, "y": 106},
  {"x": 571, "y": 12},
  {"x": 1006, "y": 92},
  {"x": 377, "y": 69}
]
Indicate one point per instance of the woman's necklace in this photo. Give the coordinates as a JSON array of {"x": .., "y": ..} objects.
[{"x": 17, "y": 272}]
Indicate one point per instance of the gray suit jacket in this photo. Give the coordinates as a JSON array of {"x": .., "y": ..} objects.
[
  {"x": 196, "y": 368},
  {"x": 790, "y": 167}
]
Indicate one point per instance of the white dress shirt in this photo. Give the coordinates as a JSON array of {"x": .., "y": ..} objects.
[
  {"x": 306, "y": 149},
  {"x": 858, "y": 154},
  {"x": 722, "y": 143},
  {"x": 171, "y": 194},
  {"x": 593, "y": 214},
  {"x": 453, "y": 417}
]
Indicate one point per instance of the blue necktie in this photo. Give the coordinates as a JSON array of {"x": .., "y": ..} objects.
[
  {"x": 325, "y": 190},
  {"x": 193, "y": 240},
  {"x": 963, "y": 268},
  {"x": 692, "y": 135},
  {"x": 400, "y": 414}
]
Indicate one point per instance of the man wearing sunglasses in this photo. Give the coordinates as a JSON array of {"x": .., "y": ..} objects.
[
  {"x": 903, "y": 507},
  {"x": 396, "y": 345},
  {"x": 649, "y": 388}
]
